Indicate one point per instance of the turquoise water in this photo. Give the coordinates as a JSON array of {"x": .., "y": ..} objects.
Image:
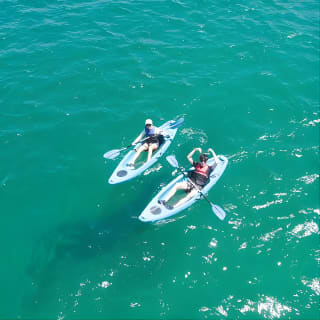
[{"x": 79, "y": 78}]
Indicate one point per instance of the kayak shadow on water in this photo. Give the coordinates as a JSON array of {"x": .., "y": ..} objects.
[{"x": 60, "y": 250}]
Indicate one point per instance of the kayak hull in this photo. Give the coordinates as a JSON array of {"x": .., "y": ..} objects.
[
  {"x": 124, "y": 173},
  {"x": 155, "y": 212}
]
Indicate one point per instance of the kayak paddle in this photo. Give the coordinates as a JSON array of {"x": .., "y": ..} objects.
[
  {"x": 112, "y": 154},
  {"x": 218, "y": 211}
]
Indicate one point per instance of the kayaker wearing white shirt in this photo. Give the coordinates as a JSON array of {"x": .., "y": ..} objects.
[{"x": 151, "y": 144}]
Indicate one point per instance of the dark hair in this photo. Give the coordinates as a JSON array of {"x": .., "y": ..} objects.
[{"x": 203, "y": 157}]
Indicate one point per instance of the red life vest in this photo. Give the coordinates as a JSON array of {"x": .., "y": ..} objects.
[{"x": 202, "y": 170}]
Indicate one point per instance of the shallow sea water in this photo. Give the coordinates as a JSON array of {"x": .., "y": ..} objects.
[{"x": 79, "y": 78}]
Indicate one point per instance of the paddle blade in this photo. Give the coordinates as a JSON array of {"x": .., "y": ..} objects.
[
  {"x": 219, "y": 212},
  {"x": 111, "y": 154},
  {"x": 177, "y": 123},
  {"x": 173, "y": 161}
]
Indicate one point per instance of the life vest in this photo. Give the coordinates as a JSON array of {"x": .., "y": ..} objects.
[
  {"x": 200, "y": 175},
  {"x": 151, "y": 134},
  {"x": 204, "y": 171}
]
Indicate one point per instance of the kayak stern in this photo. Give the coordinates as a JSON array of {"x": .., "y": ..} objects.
[{"x": 152, "y": 213}]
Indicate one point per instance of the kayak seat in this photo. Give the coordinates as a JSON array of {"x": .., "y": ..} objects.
[
  {"x": 161, "y": 139},
  {"x": 211, "y": 177}
]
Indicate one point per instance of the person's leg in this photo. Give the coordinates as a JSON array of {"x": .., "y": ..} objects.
[
  {"x": 151, "y": 149},
  {"x": 144, "y": 147},
  {"x": 178, "y": 186},
  {"x": 186, "y": 198}
]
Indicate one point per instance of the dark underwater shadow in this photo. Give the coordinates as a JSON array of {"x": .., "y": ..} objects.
[{"x": 74, "y": 242}]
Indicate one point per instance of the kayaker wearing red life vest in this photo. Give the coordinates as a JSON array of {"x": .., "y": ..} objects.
[
  {"x": 199, "y": 177},
  {"x": 152, "y": 134}
]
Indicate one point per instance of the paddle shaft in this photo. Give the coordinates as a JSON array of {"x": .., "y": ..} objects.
[
  {"x": 117, "y": 151},
  {"x": 144, "y": 139}
]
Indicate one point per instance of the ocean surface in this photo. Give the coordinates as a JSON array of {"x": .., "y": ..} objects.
[{"x": 79, "y": 78}]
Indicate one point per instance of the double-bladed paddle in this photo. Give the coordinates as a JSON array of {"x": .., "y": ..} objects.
[
  {"x": 219, "y": 212},
  {"x": 112, "y": 154}
]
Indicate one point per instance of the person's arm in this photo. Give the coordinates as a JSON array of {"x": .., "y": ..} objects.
[
  {"x": 216, "y": 159},
  {"x": 139, "y": 137},
  {"x": 161, "y": 132},
  {"x": 189, "y": 156}
]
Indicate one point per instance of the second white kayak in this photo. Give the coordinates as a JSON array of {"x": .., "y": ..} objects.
[{"x": 154, "y": 211}]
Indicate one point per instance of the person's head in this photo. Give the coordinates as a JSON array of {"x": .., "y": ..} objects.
[
  {"x": 203, "y": 158},
  {"x": 148, "y": 123}
]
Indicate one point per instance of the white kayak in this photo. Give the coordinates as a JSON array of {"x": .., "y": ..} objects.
[
  {"x": 155, "y": 211},
  {"x": 123, "y": 172}
]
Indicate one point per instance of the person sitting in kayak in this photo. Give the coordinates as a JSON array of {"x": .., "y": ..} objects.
[
  {"x": 199, "y": 176},
  {"x": 152, "y": 134}
]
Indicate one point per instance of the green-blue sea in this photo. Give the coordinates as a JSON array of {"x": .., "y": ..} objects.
[{"x": 79, "y": 78}]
